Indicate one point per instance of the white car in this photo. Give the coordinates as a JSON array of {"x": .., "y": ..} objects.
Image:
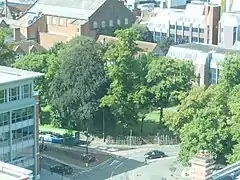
[{"x": 50, "y": 138}]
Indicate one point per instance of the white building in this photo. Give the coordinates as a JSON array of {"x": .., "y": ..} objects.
[
  {"x": 196, "y": 23},
  {"x": 18, "y": 118},
  {"x": 11, "y": 172}
]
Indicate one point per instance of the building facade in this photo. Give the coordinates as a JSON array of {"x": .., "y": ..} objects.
[
  {"x": 18, "y": 119},
  {"x": 206, "y": 59},
  {"x": 51, "y": 21},
  {"x": 197, "y": 23}
]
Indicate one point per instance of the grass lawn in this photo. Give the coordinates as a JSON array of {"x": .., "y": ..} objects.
[
  {"x": 53, "y": 129},
  {"x": 154, "y": 115}
]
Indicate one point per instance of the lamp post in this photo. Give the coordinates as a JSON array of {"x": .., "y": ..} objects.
[{"x": 103, "y": 124}]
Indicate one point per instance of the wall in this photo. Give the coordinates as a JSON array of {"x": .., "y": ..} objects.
[{"x": 47, "y": 40}]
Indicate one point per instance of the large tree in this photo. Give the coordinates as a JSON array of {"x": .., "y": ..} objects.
[
  {"x": 144, "y": 33},
  {"x": 120, "y": 66},
  {"x": 169, "y": 80},
  {"x": 79, "y": 83}
]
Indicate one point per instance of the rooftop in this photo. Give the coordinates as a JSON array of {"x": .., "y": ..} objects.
[
  {"x": 205, "y": 48},
  {"x": 24, "y": 45},
  {"x": 8, "y": 75},
  {"x": 145, "y": 46}
]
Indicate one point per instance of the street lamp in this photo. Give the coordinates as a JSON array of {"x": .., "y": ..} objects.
[{"x": 103, "y": 124}]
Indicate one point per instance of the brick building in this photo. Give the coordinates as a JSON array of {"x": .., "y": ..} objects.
[{"x": 51, "y": 21}]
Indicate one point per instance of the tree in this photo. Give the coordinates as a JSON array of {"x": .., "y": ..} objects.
[
  {"x": 120, "y": 63},
  {"x": 6, "y": 53},
  {"x": 144, "y": 33},
  {"x": 164, "y": 44},
  {"x": 79, "y": 83},
  {"x": 169, "y": 79}
]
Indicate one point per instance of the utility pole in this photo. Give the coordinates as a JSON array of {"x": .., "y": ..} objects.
[
  {"x": 130, "y": 137},
  {"x": 87, "y": 141},
  {"x": 103, "y": 124}
]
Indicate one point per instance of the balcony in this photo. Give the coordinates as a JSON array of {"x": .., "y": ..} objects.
[
  {"x": 23, "y": 142},
  {"x": 22, "y": 124}
]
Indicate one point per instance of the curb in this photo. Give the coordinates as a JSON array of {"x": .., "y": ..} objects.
[
  {"x": 62, "y": 162},
  {"x": 58, "y": 175}
]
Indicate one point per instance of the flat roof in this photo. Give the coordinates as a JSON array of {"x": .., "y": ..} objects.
[{"x": 8, "y": 75}]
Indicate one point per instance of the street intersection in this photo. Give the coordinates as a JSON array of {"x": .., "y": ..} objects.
[{"x": 127, "y": 165}]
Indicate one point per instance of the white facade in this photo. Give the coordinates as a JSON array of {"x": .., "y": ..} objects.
[{"x": 17, "y": 118}]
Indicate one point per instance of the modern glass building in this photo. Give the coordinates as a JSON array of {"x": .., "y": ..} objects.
[{"x": 19, "y": 118}]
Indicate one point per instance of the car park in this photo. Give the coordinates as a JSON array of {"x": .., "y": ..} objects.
[
  {"x": 155, "y": 154},
  {"x": 61, "y": 169}
]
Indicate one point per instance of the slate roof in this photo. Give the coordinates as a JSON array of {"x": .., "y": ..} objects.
[
  {"x": 25, "y": 44},
  {"x": 145, "y": 46},
  {"x": 79, "y": 9}
]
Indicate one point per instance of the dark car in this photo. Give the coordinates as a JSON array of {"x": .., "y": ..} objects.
[
  {"x": 61, "y": 169},
  {"x": 88, "y": 158},
  {"x": 154, "y": 154}
]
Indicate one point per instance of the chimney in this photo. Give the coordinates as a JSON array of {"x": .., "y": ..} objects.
[{"x": 16, "y": 34}]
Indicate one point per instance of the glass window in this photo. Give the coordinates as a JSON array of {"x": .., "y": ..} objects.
[
  {"x": 194, "y": 39},
  {"x": 63, "y": 22},
  {"x": 186, "y": 28},
  {"x": 118, "y": 22},
  {"x": 234, "y": 34},
  {"x": 172, "y": 37},
  {"x": 26, "y": 91},
  {"x": 95, "y": 25},
  {"x": 14, "y": 94},
  {"x": 23, "y": 114},
  {"x": 201, "y": 30},
  {"x": 194, "y": 29},
  {"x": 55, "y": 20},
  {"x": 126, "y": 21},
  {"x": 2, "y": 96},
  {"x": 213, "y": 76},
  {"x": 186, "y": 39},
  {"x": 172, "y": 26},
  {"x": 111, "y": 23},
  {"x": 179, "y": 27},
  {"x": 164, "y": 34},
  {"x": 4, "y": 119},
  {"x": 201, "y": 40},
  {"x": 4, "y": 137},
  {"x": 103, "y": 24},
  {"x": 238, "y": 33}
]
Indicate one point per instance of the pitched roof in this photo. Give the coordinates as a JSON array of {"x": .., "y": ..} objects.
[
  {"x": 79, "y": 9},
  {"x": 145, "y": 46},
  {"x": 26, "y": 44}
]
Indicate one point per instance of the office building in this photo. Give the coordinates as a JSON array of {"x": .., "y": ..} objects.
[
  {"x": 197, "y": 23},
  {"x": 205, "y": 57},
  {"x": 19, "y": 119}
]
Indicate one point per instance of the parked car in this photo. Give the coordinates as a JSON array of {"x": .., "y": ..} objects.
[
  {"x": 51, "y": 138},
  {"x": 88, "y": 158},
  {"x": 61, "y": 169},
  {"x": 155, "y": 154}
]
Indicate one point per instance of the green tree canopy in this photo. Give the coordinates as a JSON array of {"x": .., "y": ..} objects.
[
  {"x": 79, "y": 83},
  {"x": 144, "y": 33}
]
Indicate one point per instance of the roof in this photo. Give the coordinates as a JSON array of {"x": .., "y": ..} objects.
[
  {"x": 26, "y": 44},
  {"x": 205, "y": 48},
  {"x": 230, "y": 19},
  {"x": 8, "y": 75},
  {"x": 11, "y": 172},
  {"x": 227, "y": 170},
  {"x": 145, "y": 46},
  {"x": 79, "y": 9}
]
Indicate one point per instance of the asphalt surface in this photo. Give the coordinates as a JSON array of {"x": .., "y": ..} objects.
[{"x": 125, "y": 165}]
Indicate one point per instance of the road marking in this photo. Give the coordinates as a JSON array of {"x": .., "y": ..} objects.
[{"x": 114, "y": 162}]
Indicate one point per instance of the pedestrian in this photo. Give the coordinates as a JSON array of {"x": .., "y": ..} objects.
[{"x": 145, "y": 160}]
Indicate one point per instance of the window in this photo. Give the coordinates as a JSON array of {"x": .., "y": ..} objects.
[
  {"x": 156, "y": 36},
  {"x": 186, "y": 39},
  {"x": 164, "y": 34},
  {"x": 118, "y": 22},
  {"x": 4, "y": 119},
  {"x": 78, "y": 30},
  {"x": 4, "y": 137},
  {"x": 194, "y": 29},
  {"x": 172, "y": 26},
  {"x": 103, "y": 24},
  {"x": 238, "y": 33},
  {"x": 22, "y": 132},
  {"x": 172, "y": 37},
  {"x": 179, "y": 39},
  {"x": 194, "y": 39},
  {"x": 198, "y": 79},
  {"x": 95, "y": 25},
  {"x": 179, "y": 27},
  {"x": 26, "y": 90},
  {"x": 201, "y": 30},
  {"x": 22, "y": 114},
  {"x": 3, "y": 96},
  {"x": 234, "y": 34},
  {"x": 14, "y": 94},
  {"x": 63, "y": 22},
  {"x": 55, "y": 20},
  {"x": 126, "y": 21},
  {"x": 201, "y": 40},
  {"x": 111, "y": 23},
  {"x": 18, "y": 56},
  {"x": 185, "y": 28},
  {"x": 213, "y": 76}
]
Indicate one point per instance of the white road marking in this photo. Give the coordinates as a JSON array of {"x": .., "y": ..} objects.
[{"x": 114, "y": 162}]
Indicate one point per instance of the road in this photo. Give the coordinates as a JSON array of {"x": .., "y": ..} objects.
[{"x": 125, "y": 164}]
